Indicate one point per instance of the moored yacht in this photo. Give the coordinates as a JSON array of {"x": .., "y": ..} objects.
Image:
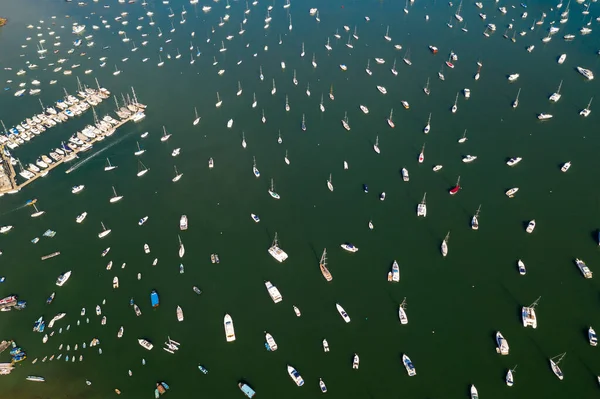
[
  {"x": 521, "y": 267},
  {"x": 528, "y": 315},
  {"x": 349, "y": 247},
  {"x": 277, "y": 253},
  {"x": 422, "y": 207},
  {"x": 355, "y": 362},
  {"x": 565, "y": 166},
  {"x": 511, "y": 193},
  {"x": 273, "y": 292},
  {"x": 592, "y": 337},
  {"x": 513, "y": 161},
  {"x": 295, "y": 376},
  {"x": 229, "y": 330},
  {"x": 62, "y": 279},
  {"x": 583, "y": 268},
  {"x": 530, "y": 226},
  {"x": 502, "y": 344},
  {"x": 402, "y": 312},
  {"x": 585, "y": 72},
  {"x": 410, "y": 368},
  {"x": 342, "y": 313},
  {"x": 554, "y": 366}
]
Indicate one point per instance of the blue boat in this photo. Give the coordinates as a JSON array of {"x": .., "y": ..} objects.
[
  {"x": 203, "y": 369},
  {"x": 154, "y": 299},
  {"x": 365, "y": 188},
  {"x": 245, "y": 388}
]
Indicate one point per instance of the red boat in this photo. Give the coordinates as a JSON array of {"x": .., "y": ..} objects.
[
  {"x": 8, "y": 300},
  {"x": 450, "y": 65},
  {"x": 433, "y": 49},
  {"x": 422, "y": 154},
  {"x": 456, "y": 188}
]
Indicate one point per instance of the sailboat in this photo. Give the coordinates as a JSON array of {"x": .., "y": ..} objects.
[
  {"x": 456, "y": 188},
  {"x": 323, "y": 266},
  {"x": 177, "y": 176},
  {"x": 109, "y": 166},
  {"x": 328, "y": 46},
  {"x": 331, "y": 93},
  {"x": 455, "y": 106},
  {"x": 314, "y": 62},
  {"x": 406, "y": 58},
  {"x": 260, "y": 75},
  {"x": 197, "y": 120},
  {"x": 286, "y": 159},
  {"x": 294, "y": 80},
  {"x": 515, "y": 103},
  {"x": 389, "y": 120},
  {"x": 376, "y": 145},
  {"x": 463, "y": 138},
  {"x": 274, "y": 89},
  {"x": 181, "y": 247},
  {"x": 239, "y": 92},
  {"x": 426, "y": 88},
  {"x": 303, "y": 123},
  {"x": 368, "y": 70},
  {"x": 444, "y": 247},
  {"x": 254, "y": 168},
  {"x": 422, "y": 207},
  {"x": 279, "y": 139},
  {"x": 422, "y": 154},
  {"x": 254, "y": 102},
  {"x": 345, "y": 121},
  {"x": 510, "y": 376},
  {"x": 586, "y": 111},
  {"x": 104, "y": 231},
  {"x": 308, "y": 89},
  {"x": 387, "y": 34},
  {"x": 272, "y": 192},
  {"x": 287, "y": 104},
  {"x": 427, "y": 127},
  {"x": 402, "y": 311},
  {"x": 142, "y": 169},
  {"x": 475, "y": 219},
  {"x": 263, "y": 119},
  {"x": 116, "y": 197},
  {"x": 329, "y": 183},
  {"x": 302, "y": 53},
  {"x": 139, "y": 151},
  {"x": 37, "y": 212},
  {"x": 554, "y": 365},
  {"x": 321, "y": 106},
  {"x": 116, "y": 72},
  {"x": 394, "y": 71},
  {"x": 528, "y": 315},
  {"x": 219, "y": 102},
  {"x": 458, "y": 17},
  {"x": 556, "y": 96},
  {"x": 165, "y": 136},
  {"x": 244, "y": 144},
  {"x": 160, "y": 61}
]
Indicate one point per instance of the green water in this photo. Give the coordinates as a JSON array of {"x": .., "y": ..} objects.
[{"x": 455, "y": 305}]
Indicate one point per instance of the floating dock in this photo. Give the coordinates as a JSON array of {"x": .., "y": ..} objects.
[{"x": 52, "y": 255}]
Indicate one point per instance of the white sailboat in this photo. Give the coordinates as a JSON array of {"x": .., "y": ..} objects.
[
  {"x": 165, "y": 135},
  {"x": 181, "y": 247},
  {"x": 376, "y": 145},
  {"x": 515, "y": 103},
  {"x": 37, "y": 212},
  {"x": 219, "y": 102},
  {"x": 104, "y": 231},
  {"x": 556, "y": 96},
  {"x": 329, "y": 183},
  {"x": 587, "y": 110},
  {"x": 455, "y": 106},
  {"x": 427, "y": 127},
  {"x": 345, "y": 121},
  {"x": 116, "y": 197},
  {"x": 177, "y": 175},
  {"x": 244, "y": 144},
  {"x": 463, "y": 138},
  {"x": 272, "y": 191},
  {"x": 139, "y": 151},
  {"x": 390, "y": 121},
  {"x": 475, "y": 219},
  {"x": 142, "y": 169},
  {"x": 444, "y": 247},
  {"x": 286, "y": 159},
  {"x": 554, "y": 365},
  {"x": 402, "y": 312},
  {"x": 109, "y": 166}
]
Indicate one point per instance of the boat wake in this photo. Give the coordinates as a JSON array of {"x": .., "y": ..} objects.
[{"x": 84, "y": 161}]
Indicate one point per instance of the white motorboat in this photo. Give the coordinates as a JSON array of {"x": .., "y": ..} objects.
[
  {"x": 322, "y": 386},
  {"x": 295, "y": 376},
  {"x": 229, "y": 330},
  {"x": 585, "y": 72},
  {"x": 273, "y": 292},
  {"x": 437, "y": 167},
  {"x": 382, "y": 89},
  {"x": 530, "y": 226},
  {"x": 62, "y": 279},
  {"x": 410, "y": 368},
  {"x": 592, "y": 337},
  {"x": 469, "y": 158},
  {"x": 142, "y": 220},
  {"x": 355, "y": 362},
  {"x": 405, "y": 175},
  {"x": 271, "y": 344},
  {"x": 513, "y": 77},
  {"x": 511, "y": 193},
  {"x": 342, "y": 313},
  {"x": 474, "y": 393},
  {"x": 145, "y": 344},
  {"x": 542, "y": 116},
  {"x": 349, "y": 247},
  {"x": 583, "y": 268},
  {"x": 513, "y": 161},
  {"x": 77, "y": 189},
  {"x": 81, "y": 218},
  {"x": 325, "y": 346},
  {"x": 562, "y": 58},
  {"x": 565, "y": 166}
]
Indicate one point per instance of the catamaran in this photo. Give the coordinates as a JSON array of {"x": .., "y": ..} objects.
[
  {"x": 323, "y": 266},
  {"x": 556, "y": 96},
  {"x": 276, "y": 252},
  {"x": 586, "y": 111},
  {"x": 528, "y": 314},
  {"x": 422, "y": 207}
]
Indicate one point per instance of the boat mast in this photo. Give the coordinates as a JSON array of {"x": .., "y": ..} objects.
[{"x": 324, "y": 258}]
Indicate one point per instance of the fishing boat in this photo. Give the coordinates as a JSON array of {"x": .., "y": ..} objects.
[
  {"x": 554, "y": 365},
  {"x": 456, "y": 188},
  {"x": 528, "y": 315},
  {"x": 229, "y": 330},
  {"x": 511, "y": 192},
  {"x": 422, "y": 207},
  {"x": 502, "y": 344},
  {"x": 402, "y": 312},
  {"x": 410, "y": 368},
  {"x": 104, "y": 231},
  {"x": 295, "y": 376},
  {"x": 277, "y": 253},
  {"x": 444, "y": 246},
  {"x": 323, "y": 266},
  {"x": 583, "y": 268}
]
